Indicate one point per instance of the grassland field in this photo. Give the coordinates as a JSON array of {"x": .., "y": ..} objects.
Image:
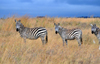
[{"x": 13, "y": 50}]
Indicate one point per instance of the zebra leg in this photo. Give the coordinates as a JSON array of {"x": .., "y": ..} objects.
[
  {"x": 63, "y": 41},
  {"x": 99, "y": 44},
  {"x": 66, "y": 42},
  {"x": 79, "y": 42},
  {"x": 43, "y": 40},
  {"x": 24, "y": 40}
]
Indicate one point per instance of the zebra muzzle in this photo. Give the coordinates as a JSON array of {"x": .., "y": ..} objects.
[
  {"x": 92, "y": 32},
  {"x": 56, "y": 32},
  {"x": 17, "y": 29}
]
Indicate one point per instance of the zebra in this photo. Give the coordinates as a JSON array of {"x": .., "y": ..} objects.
[
  {"x": 96, "y": 31},
  {"x": 68, "y": 34},
  {"x": 31, "y": 33}
]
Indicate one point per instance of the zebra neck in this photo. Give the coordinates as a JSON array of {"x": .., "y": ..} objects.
[
  {"x": 96, "y": 33},
  {"x": 22, "y": 28},
  {"x": 61, "y": 30}
]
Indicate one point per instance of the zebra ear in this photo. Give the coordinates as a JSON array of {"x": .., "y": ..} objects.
[
  {"x": 91, "y": 25},
  {"x": 58, "y": 23},
  {"x": 54, "y": 23},
  {"x": 15, "y": 20},
  {"x": 19, "y": 20}
]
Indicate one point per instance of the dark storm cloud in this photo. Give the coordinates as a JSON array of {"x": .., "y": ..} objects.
[
  {"x": 80, "y": 2},
  {"x": 52, "y": 8}
]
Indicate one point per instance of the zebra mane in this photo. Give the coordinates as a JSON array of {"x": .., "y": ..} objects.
[
  {"x": 73, "y": 29},
  {"x": 97, "y": 30},
  {"x": 21, "y": 25},
  {"x": 61, "y": 28},
  {"x": 68, "y": 30}
]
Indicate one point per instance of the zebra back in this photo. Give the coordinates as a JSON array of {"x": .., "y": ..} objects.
[{"x": 34, "y": 33}]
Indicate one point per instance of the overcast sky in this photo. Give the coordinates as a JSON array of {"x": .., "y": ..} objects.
[{"x": 51, "y": 8}]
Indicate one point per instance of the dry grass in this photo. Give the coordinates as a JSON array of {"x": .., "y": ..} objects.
[{"x": 13, "y": 50}]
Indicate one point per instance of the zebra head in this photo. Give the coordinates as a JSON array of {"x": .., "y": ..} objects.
[
  {"x": 57, "y": 27},
  {"x": 18, "y": 25},
  {"x": 94, "y": 28}
]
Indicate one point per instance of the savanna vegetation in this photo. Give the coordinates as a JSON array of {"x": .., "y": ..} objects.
[{"x": 13, "y": 50}]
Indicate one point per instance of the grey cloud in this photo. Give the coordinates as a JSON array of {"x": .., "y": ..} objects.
[{"x": 61, "y": 8}]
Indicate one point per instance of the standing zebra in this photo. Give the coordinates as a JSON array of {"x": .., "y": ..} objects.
[
  {"x": 31, "y": 33},
  {"x": 95, "y": 30},
  {"x": 68, "y": 34}
]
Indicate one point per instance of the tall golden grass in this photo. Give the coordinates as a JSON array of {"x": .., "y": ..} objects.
[{"x": 13, "y": 50}]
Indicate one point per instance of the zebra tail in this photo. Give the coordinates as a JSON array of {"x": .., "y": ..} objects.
[{"x": 46, "y": 38}]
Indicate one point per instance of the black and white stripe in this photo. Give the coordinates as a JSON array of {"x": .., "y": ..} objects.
[
  {"x": 31, "y": 33},
  {"x": 69, "y": 34},
  {"x": 74, "y": 33},
  {"x": 96, "y": 31}
]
